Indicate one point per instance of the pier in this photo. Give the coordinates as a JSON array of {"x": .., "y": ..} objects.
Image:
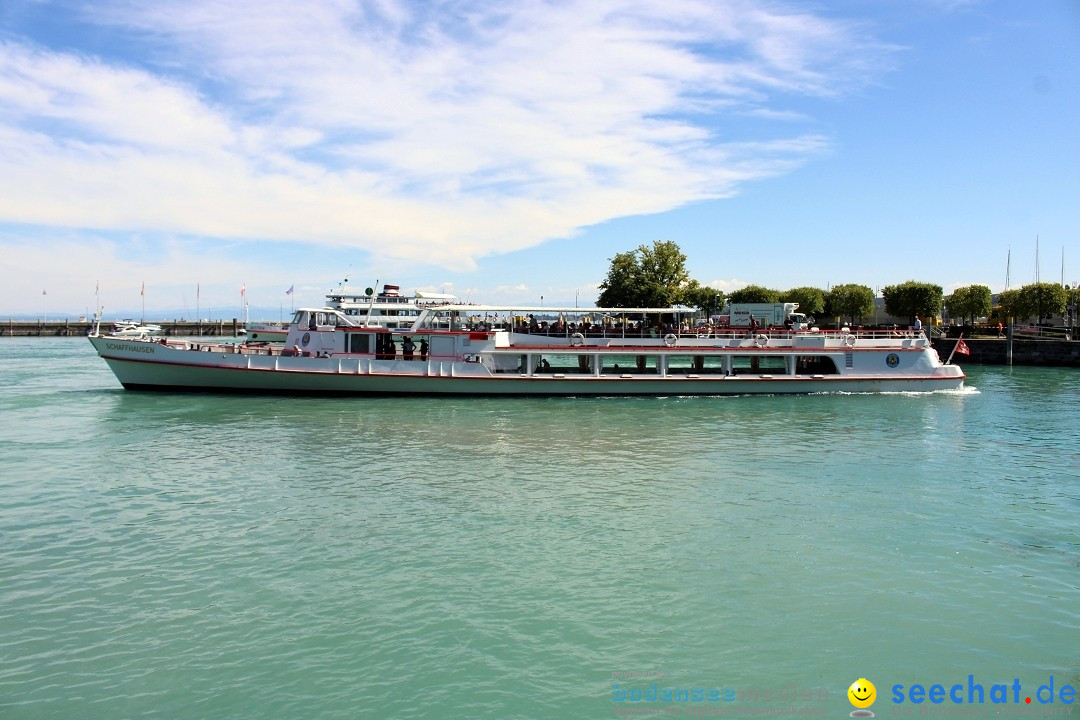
[
  {"x": 995, "y": 351},
  {"x": 74, "y": 328}
]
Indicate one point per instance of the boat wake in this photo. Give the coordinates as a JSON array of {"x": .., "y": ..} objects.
[{"x": 912, "y": 393}]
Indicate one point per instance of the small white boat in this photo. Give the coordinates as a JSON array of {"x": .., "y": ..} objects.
[
  {"x": 265, "y": 332},
  {"x": 454, "y": 349},
  {"x": 131, "y": 328}
]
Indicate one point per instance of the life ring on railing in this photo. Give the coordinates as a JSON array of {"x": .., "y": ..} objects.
[
  {"x": 577, "y": 339},
  {"x": 761, "y": 340},
  {"x": 670, "y": 339},
  {"x": 849, "y": 340}
]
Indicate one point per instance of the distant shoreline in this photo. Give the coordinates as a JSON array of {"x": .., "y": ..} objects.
[{"x": 69, "y": 328}]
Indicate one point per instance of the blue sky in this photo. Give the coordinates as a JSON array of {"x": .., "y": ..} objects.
[{"x": 507, "y": 151}]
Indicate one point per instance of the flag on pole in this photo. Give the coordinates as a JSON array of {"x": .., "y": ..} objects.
[
  {"x": 289, "y": 291},
  {"x": 143, "y": 291},
  {"x": 960, "y": 347},
  {"x": 44, "y": 293},
  {"x": 198, "y": 289}
]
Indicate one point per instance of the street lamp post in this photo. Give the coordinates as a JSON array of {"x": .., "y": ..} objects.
[{"x": 1071, "y": 323}]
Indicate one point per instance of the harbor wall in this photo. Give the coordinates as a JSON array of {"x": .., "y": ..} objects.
[
  {"x": 68, "y": 328},
  {"x": 992, "y": 351},
  {"x": 984, "y": 351}
]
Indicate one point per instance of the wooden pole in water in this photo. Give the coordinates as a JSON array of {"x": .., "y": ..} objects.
[{"x": 1009, "y": 345}]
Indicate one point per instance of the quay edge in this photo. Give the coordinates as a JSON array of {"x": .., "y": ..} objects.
[
  {"x": 78, "y": 328},
  {"x": 992, "y": 351}
]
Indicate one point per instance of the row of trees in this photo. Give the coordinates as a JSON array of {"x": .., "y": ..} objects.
[
  {"x": 1040, "y": 300},
  {"x": 657, "y": 277},
  {"x": 852, "y": 300}
]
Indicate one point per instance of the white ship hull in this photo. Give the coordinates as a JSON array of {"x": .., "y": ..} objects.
[{"x": 187, "y": 367}]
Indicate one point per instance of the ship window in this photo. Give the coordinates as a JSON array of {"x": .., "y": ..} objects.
[
  {"x": 620, "y": 364},
  {"x": 815, "y": 365},
  {"x": 709, "y": 364},
  {"x": 754, "y": 364},
  {"x": 560, "y": 363},
  {"x": 359, "y": 343}
]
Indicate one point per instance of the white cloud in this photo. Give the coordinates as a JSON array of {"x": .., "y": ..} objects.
[{"x": 437, "y": 132}]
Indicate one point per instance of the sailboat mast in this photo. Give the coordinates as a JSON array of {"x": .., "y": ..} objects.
[{"x": 1036, "y": 259}]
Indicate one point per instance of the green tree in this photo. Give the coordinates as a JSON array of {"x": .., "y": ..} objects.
[
  {"x": 709, "y": 300},
  {"x": 851, "y": 300},
  {"x": 1012, "y": 308},
  {"x": 646, "y": 277},
  {"x": 754, "y": 294},
  {"x": 969, "y": 302},
  {"x": 912, "y": 298},
  {"x": 1043, "y": 299},
  {"x": 811, "y": 299}
]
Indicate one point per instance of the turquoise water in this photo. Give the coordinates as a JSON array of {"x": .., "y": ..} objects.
[{"x": 198, "y": 556}]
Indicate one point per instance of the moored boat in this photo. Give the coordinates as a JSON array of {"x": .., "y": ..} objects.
[
  {"x": 131, "y": 328},
  {"x": 266, "y": 332},
  {"x": 455, "y": 349}
]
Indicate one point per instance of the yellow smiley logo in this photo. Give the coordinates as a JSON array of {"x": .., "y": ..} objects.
[{"x": 862, "y": 693}]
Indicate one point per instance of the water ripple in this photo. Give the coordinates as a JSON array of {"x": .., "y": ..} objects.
[{"x": 207, "y": 556}]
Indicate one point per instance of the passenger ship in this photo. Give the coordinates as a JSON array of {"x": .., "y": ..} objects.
[{"x": 461, "y": 349}]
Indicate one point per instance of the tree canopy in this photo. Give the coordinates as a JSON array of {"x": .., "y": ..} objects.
[
  {"x": 709, "y": 300},
  {"x": 646, "y": 277},
  {"x": 811, "y": 299},
  {"x": 1042, "y": 300},
  {"x": 851, "y": 300},
  {"x": 969, "y": 302},
  {"x": 754, "y": 294},
  {"x": 1011, "y": 305},
  {"x": 912, "y": 298},
  {"x": 1036, "y": 300}
]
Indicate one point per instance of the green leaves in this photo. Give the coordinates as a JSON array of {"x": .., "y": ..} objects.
[
  {"x": 970, "y": 302},
  {"x": 647, "y": 277},
  {"x": 913, "y": 298},
  {"x": 851, "y": 300}
]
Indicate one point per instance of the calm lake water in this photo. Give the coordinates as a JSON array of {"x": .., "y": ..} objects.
[{"x": 203, "y": 556}]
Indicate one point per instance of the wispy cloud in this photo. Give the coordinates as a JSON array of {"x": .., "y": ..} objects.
[{"x": 437, "y": 132}]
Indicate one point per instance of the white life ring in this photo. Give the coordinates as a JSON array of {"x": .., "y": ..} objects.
[
  {"x": 761, "y": 340},
  {"x": 849, "y": 340},
  {"x": 577, "y": 339},
  {"x": 670, "y": 340}
]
